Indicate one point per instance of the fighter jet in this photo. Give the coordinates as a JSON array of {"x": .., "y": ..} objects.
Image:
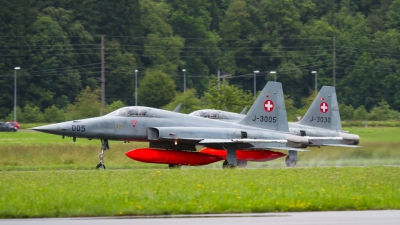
[
  {"x": 321, "y": 124},
  {"x": 173, "y": 136}
]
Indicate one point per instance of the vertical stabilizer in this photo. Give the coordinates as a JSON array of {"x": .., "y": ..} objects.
[
  {"x": 268, "y": 111},
  {"x": 177, "y": 108},
  {"x": 324, "y": 111},
  {"x": 243, "y": 112}
]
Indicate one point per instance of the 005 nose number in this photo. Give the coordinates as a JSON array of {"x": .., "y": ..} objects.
[{"x": 78, "y": 128}]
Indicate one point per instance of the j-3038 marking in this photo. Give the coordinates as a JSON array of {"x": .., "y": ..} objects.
[{"x": 320, "y": 119}]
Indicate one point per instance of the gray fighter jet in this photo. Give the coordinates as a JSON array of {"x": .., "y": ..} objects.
[
  {"x": 264, "y": 127},
  {"x": 321, "y": 125}
]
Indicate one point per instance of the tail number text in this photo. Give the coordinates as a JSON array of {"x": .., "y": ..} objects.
[
  {"x": 320, "y": 119},
  {"x": 266, "y": 119}
]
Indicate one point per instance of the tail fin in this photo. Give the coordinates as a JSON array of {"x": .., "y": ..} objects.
[
  {"x": 177, "y": 108},
  {"x": 324, "y": 111},
  {"x": 243, "y": 112},
  {"x": 268, "y": 111}
]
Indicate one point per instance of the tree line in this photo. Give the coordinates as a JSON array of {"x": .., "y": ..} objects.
[
  {"x": 57, "y": 46},
  {"x": 219, "y": 95}
]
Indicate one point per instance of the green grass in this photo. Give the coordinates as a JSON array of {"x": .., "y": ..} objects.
[
  {"x": 44, "y": 175},
  {"x": 187, "y": 191}
]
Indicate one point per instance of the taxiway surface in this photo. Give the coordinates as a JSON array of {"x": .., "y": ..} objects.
[{"x": 383, "y": 217}]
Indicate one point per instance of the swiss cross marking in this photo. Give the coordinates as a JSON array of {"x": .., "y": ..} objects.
[
  {"x": 323, "y": 107},
  {"x": 133, "y": 122},
  {"x": 269, "y": 105}
]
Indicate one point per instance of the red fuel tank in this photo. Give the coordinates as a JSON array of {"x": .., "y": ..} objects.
[
  {"x": 150, "y": 155},
  {"x": 247, "y": 155}
]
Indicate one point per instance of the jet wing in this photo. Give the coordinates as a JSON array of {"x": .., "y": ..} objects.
[
  {"x": 251, "y": 143},
  {"x": 341, "y": 145},
  {"x": 245, "y": 140},
  {"x": 291, "y": 149},
  {"x": 323, "y": 138}
]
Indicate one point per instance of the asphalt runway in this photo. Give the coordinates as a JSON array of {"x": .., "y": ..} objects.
[{"x": 383, "y": 217}]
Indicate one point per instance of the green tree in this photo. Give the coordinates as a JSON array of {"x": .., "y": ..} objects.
[
  {"x": 53, "y": 115},
  {"x": 156, "y": 89},
  {"x": 306, "y": 103},
  {"x": 120, "y": 76},
  {"x": 227, "y": 97},
  {"x": 114, "y": 106},
  {"x": 360, "y": 113},
  {"x": 291, "y": 110},
  {"x": 189, "y": 100},
  {"x": 393, "y": 15},
  {"x": 87, "y": 104},
  {"x": 161, "y": 47},
  {"x": 53, "y": 55},
  {"x": 15, "y": 21},
  {"x": 31, "y": 114},
  {"x": 346, "y": 111},
  {"x": 10, "y": 116},
  {"x": 381, "y": 112},
  {"x": 192, "y": 21}
]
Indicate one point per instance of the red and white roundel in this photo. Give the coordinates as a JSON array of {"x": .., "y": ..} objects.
[
  {"x": 324, "y": 107},
  {"x": 269, "y": 105}
]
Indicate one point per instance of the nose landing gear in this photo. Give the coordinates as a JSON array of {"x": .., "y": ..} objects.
[{"x": 104, "y": 146}]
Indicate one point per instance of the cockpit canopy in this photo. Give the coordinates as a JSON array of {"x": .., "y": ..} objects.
[
  {"x": 131, "y": 111},
  {"x": 211, "y": 114}
]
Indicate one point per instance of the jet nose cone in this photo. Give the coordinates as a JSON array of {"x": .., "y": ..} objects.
[{"x": 51, "y": 129}]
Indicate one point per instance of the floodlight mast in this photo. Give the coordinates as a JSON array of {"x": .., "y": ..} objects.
[
  {"x": 15, "y": 92},
  {"x": 316, "y": 80},
  {"x": 254, "y": 73},
  {"x": 136, "y": 71},
  {"x": 274, "y": 72}
]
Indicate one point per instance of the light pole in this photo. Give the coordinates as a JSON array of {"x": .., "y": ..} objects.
[
  {"x": 184, "y": 80},
  {"x": 15, "y": 92},
  {"x": 274, "y": 72},
  {"x": 316, "y": 80},
  {"x": 254, "y": 73},
  {"x": 136, "y": 71}
]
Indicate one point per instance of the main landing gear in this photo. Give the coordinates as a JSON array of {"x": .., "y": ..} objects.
[
  {"x": 240, "y": 164},
  {"x": 291, "y": 159},
  {"x": 290, "y": 162},
  {"x": 174, "y": 166},
  {"x": 226, "y": 165},
  {"x": 104, "y": 146},
  {"x": 231, "y": 160}
]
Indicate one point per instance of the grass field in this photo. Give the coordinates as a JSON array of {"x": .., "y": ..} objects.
[
  {"x": 46, "y": 176},
  {"x": 29, "y": 150},
  {"x": 187, "y": 191}
]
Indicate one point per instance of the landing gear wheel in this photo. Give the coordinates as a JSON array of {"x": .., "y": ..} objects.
[
  {"x": 226, "y": 165},
  {"x": 290, "y": 162},
  {"x": 174, "y": 166},
  {"x": 100, "y": 166},
  {"x": 104, "y": 146}
]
